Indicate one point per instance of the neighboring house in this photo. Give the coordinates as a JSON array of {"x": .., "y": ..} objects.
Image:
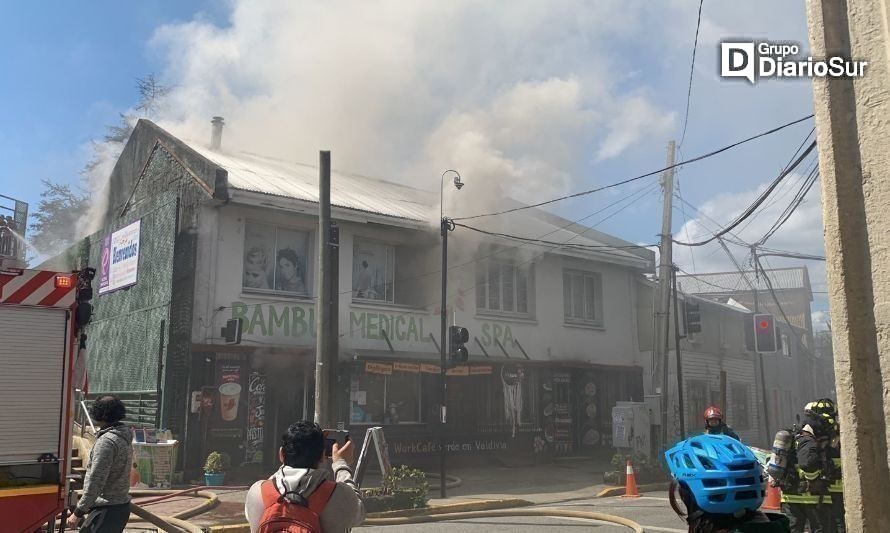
[
  {"x": 228, "y": 235},
  {"x": 795, "y": 374},
  {"x": 717, "y": 368}
]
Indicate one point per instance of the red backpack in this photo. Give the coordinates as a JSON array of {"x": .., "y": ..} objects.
[{"x": 284, "y": 516}]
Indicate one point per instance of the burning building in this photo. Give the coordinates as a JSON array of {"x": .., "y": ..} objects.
[{"x": 211, "y": 235}]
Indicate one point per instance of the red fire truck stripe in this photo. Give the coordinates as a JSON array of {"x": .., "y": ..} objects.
[
  {"x": 54, "y": 297},
  {"x": 32, "y": 285},
  {"x": 4, "y": 279}
]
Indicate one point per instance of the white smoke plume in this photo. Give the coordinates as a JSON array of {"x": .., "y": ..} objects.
[{"x": 517, "y": 96}]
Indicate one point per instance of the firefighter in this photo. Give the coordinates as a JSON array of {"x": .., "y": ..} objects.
[
  {"x": 806, "y": 498},
  {"x": 827, "y": 408},
  {"x": 714, "y": 424}
]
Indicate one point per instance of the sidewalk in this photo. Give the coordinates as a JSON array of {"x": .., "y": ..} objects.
[{"x": 546, "y": 484}]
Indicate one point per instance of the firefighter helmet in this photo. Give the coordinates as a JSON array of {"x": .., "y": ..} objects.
[{"x": 713, "y": 412}]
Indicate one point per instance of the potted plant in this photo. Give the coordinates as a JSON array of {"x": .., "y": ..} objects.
[{"x": 215, "y": 469}]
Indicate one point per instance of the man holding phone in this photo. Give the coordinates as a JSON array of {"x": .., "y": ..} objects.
[{"x": 305, "y": 452}]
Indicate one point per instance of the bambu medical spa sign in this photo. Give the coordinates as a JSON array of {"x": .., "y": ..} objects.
[{"x": 295, "y": 324}]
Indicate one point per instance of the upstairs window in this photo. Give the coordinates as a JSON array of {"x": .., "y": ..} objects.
[
  {"x": 582, "y": 297},
  {"x": 503, "y": 287},
  {"x": 275, "y": 259},
  {"x": 373, "y": 271}
]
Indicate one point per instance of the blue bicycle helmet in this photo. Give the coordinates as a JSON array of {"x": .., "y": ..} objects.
[{"x": 722, "y": 474}]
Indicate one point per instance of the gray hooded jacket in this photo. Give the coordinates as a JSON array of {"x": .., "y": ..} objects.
[
  {"x": 107, "y": 481},
  {"x": 343, "y": 511}
]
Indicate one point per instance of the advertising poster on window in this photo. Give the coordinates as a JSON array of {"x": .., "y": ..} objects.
[
  {"x": 229, "y": 391},
  {"x": 275, "y": 259},
  {"x": 256, "y": 417},
  {"x": 120, "y": 258},
  {"x": 372, "y": 271}
]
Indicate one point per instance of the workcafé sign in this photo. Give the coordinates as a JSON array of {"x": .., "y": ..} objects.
[{"x": 295, "y": 324}]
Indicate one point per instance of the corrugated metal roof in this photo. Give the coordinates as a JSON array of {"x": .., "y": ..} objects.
[
  {"x": 729, "y": 282},
  {"x": 250, "y": 172},
  {"x": 266, "y": 175}
]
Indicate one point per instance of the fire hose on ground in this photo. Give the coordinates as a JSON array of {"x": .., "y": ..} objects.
[{"x": 466, "y": 515}]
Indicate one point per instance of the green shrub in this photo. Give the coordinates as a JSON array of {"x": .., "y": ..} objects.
[
  {"x": 403, "y": 488},
  {"x": 217, "y": 463}
]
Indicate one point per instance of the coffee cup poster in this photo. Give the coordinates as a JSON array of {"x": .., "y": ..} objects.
[{"x": 229, "y": 391}]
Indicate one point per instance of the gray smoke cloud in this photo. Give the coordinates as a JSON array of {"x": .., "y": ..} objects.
[{"x": 518, "y": 96}]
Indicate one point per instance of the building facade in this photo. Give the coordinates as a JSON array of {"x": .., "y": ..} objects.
[{"x": 553, "y": 341}]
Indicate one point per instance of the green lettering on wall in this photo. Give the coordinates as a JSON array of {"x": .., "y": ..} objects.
[
  {"x": 508, "y": 337},
  {"x": 258, "y": 319},
  {"x": 412, "y": 329},
  {"x": 299, "y": 320},
  {"x": 356, "y": 321},
  {"x": 371, "y": 331},
  {"x": 400, "y": 323},
  {"x": 486, "y": 334},
  {"x": 281, "y": 321},
  {"x": 312, "y": 321},
  {"x": 239, "y": 310}
]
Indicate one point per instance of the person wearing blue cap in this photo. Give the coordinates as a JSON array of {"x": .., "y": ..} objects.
[{"x": 721, "y": 486}]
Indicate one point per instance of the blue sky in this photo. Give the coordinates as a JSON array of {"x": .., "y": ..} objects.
[{"x": 526, "y": 98}]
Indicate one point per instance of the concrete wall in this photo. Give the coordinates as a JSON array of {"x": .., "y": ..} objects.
[
  {"x": 543, "y": 335},
  {"x": 853, "y": 132}
]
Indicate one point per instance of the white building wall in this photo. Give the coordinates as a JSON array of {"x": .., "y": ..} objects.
[{"x": 543, "y": 336}]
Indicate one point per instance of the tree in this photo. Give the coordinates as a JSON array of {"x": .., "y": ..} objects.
[
  {"x": 54, "y": 224},
  {"x": 57, "y": 221}
]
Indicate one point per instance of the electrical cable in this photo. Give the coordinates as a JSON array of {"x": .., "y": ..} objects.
[
  {"x": 772, "y": 292},
  {"x": 753, "y": 207},
  {"x": 646, "y": 175},
  {"x": 691, "y": 71},
  {"x": 795, "y": 203}
]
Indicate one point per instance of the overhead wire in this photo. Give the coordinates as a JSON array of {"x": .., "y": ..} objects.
[
  {"x": 753, "y": 207},
  {"x": 646, "y": 175},
  {"x": 691, "y": 71},
  {"x": 792, "y": 207}
]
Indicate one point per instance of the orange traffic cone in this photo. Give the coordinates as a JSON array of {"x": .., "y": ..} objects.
[
  {"x": 773, "y": 501},
  {"x": 630, "y": 486}
]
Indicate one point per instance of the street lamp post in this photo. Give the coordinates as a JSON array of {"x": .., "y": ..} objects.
[{"x": 445, "y": 227}]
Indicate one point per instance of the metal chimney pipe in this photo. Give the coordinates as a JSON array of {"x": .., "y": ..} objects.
[{"x": 216, "y": 133}]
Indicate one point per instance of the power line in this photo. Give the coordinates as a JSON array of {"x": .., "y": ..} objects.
[
  {"x": 564, "y": 244},
  {"x": 795, "y": 203},
  {"x": 772, "y": 291},
  {"x": 691, "y": 71},
  {"x": 753, "y": 207},
  {"x": 680, "y": 194},
  {"x": 781, "y": 195},
  {"x": 646, "y": 175}
]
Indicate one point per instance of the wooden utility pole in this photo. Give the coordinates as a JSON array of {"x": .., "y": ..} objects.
[
  {"x": 662, "y": 331},
  {"x": 324, "y": 356},
  {"x": 681, "y": 413}
]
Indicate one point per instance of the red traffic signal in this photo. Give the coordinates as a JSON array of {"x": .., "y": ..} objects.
[{"x": 765, "y": 334}]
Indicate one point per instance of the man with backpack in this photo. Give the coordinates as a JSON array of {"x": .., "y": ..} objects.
[
  {"x": 300, "y": 497},
  {"x": 805, "y": 497}
]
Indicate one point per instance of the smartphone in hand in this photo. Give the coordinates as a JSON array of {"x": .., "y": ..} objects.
[{"x": 340, "y": 436}]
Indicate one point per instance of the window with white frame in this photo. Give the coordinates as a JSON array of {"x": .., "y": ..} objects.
[
  {"x": 275, "y": 259},
  {"x": 503, "y": 286},
  {"x": 373, "y": 271},
  {"x": 582, "y": 297}
]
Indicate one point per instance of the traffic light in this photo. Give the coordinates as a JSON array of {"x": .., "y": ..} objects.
[
  {"x": 232, "y": 332},
  {"x": 765, "y": 338},
  {"x": 693, "y": 318},
  {"x": 83, "y": 310},
  {"x": 458, "y": 337}
]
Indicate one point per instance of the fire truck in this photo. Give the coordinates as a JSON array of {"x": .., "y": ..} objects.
[{"x": 40, "y": 315}]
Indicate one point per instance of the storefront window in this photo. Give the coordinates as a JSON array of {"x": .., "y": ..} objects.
[
  {"x": 275, "y": 259},
  {"x": 380, "y": 393}
]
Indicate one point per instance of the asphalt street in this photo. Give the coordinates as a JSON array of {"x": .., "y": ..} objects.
[{"x": 652, "y": 511}]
